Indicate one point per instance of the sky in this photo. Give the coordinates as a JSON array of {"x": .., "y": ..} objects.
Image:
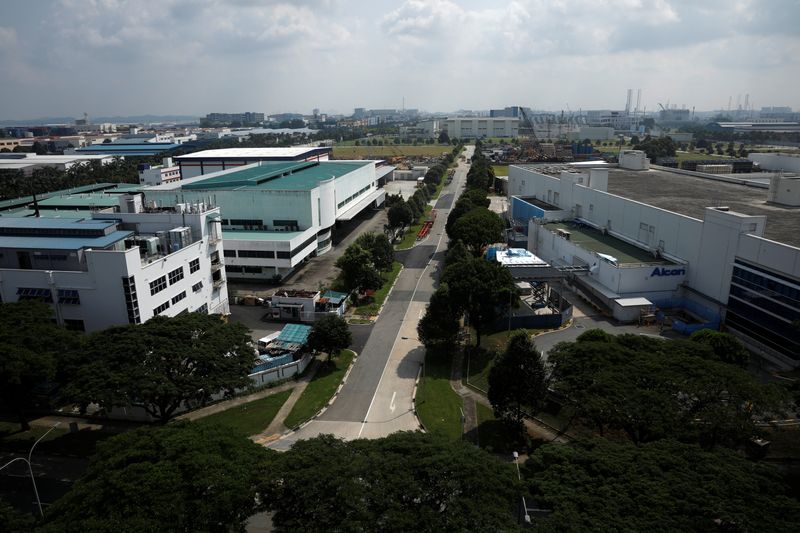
[{"x": 192, "y": 57}]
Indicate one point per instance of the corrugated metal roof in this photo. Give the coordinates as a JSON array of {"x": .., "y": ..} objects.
[
  {"x": 270, "y": 176},
  {"x": 295, "y": 333},
  {"x": 32, "y": 242}
]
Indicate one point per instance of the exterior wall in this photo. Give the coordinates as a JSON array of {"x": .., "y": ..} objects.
[
  {"x": 355, "y": 181},
  {"x": 776, "y": 161},
  {"x": 270, "y": 266},
  {"x": 472, "y": 128},
  {"x": 593, "y": 133}
]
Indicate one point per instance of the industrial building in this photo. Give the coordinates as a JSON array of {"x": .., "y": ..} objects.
[
  {"x": 275, "y": 215},
  {"x": 28, "y": 162},
  {"x": 718, "y": 250},
  {"x": 208, "y": 161},
  {"x": 116, "y": 268},
  {"x": 477, "y": 128}
]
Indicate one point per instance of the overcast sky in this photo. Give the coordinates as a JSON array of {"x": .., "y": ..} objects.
[{"x": 118, "y": 57}]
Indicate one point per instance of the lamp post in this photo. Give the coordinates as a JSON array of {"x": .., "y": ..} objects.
[
  {"x": 30, "y": 467},
  {"x": 526, "y": 516}
]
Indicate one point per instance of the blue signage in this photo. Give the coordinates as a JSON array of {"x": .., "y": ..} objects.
[{"x": 668, "y": 271}]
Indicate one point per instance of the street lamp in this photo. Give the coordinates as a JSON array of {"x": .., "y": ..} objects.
[
  {"x": 527, "y": 517},
  {"x": 30, "y": 468}
]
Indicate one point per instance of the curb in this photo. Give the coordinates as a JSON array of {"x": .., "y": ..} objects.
[
  {"x": 414, "y": 398},
  {"x": 385, "y": 300},
  {"x": 330, "y": 402}
]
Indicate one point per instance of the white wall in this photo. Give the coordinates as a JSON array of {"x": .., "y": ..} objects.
[{"x": 772, "y": 161}]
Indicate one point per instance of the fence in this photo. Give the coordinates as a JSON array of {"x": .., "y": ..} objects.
[
  {"x": 281, "y": 372},
  {"x": 712, "y": 318}
]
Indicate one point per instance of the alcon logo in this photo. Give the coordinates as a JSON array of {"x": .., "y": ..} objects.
[{"x": 668, "y": 271}]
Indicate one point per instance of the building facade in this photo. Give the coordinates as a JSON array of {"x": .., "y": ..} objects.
[{"x": 477, "y": 128}]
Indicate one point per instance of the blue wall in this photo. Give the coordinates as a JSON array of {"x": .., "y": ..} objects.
[{"x": 521, "y": 209}]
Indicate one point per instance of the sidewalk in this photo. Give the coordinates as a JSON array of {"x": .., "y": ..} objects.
[{"x": 276, "y": 427}]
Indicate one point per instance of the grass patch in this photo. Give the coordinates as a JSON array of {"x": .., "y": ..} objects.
[
  {"x": 249, "y": 418},
  {"x": 438, "y": 405},
  {"x": 410, "y": 236},
  {"x": 59, "y": 441},
  {"x": 478, "y": 363},
  {"x": 379, "y": 297},
  {"x": 698, "y": 156},
  {"x": 390, "y": 150},
  {"x": 320, "y": 390},
  {"x": 500, "y": 170},
  {"x": 493, "y": 434}
]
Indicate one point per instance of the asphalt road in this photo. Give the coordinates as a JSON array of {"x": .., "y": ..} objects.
[
  {"x": 54, "y": 477},
  {"x": 376, "y": 399}
]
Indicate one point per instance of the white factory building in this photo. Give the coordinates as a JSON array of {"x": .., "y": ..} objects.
[
  {"x": 166, "y": 172},
  {"x": 116, "y": 268},
  {"x": 625, "y": 234},
  {"x": 276, "y": 215},
  {"x": 28, "y": 162},
  {"x": 210, "y": 161},
  {"x": 479, "y": 127}
]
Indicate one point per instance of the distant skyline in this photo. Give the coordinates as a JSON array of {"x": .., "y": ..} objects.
[{"x": 184, "y": 57}]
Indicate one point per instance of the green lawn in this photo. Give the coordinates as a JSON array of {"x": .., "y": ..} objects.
[
  {"x": 249, "y": 418},
  {"x": 410, "y": 236},
  {"x": 438, "y": 405},
  {"x": 59, "y": 441},
  {"x": 500, "y": 170},
  {"x": 480, "y": 363},
  {"x": 380, "y": 295},
  {"x": 698, "y": 156},
  {"x": 493, "y": 435},
  {"x": 320, "y": 390},
  {"x": 390, "y": 150}
]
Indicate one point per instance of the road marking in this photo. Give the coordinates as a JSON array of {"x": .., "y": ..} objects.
[
  {"x": 369, "y": 409},
  {"x": 392, "y": 406}
]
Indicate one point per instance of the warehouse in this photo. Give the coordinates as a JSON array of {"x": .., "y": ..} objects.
[
  {"x": 208, "y": 161},
  {"x": 676, "y": 240},
  {"x": 277, "y": 215}
]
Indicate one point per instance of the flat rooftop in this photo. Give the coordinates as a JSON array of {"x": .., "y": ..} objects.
[
  {"x": 594, "y": 241},
  {"x": 279, "y": 176},
  {"x": 287, "y": 153},
  {"x": 539, "y": 203},
  {"x": 690, "y": 195}
]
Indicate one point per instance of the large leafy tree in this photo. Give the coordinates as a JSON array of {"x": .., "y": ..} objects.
[
  {"x": 380, "y": 249},
  {"x": 725, "y": 346},
  {"x": 163, "y": 364},
  {"x": 662, "y": 486},
  {"x": 477, "y": 229},
  {"x": 358, "y": 271},
  {"x": 439, "y": 326},
  {"x": 181, "y": 477},
  {"x": 404, "y": 482},
  {"x": 653, "y": 389},
  {"x": 330, "y": 334},
  {"x": 517, "y": 380},
  {"x": 483, "y": 290},
  {"x": 31, "y": 344}
]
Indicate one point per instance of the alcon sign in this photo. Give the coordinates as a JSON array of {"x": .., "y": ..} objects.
[{"x": 663, "y": 271}]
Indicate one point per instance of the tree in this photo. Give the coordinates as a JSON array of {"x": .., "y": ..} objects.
[
  {"x": 463, "y": 206},
  {"x": 358, "y": 272},
  {"x": 439, "y": 326},
  {"x": 330, "y": 334},
  {"x": 477, "y": 229},
  {"x": 163, "y": 364},
  {"x": 380, "y": 249},
  {"x": 30, "y": 347},
  {"x": 663, "y": 486},
  {"x": 517, "y": 380},
  {"x": 725, "y": 346},
  {"x": 444, "y": 138},
  {"x": 404, "y": 482},
  {"x": 181, "y": 477},
  {"x": 481, "y": 289}
]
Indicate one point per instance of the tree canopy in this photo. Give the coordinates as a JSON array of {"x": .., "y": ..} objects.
[
  {"x": 477, "y": 229},
  {"x": 439, "y": 326},
  {"x": 662, "y": 486},
  {"x": 358, "y": 271},
  {"x": 31, "y": 345},
  {"x": 517, "y": 380},
  {"x": 330, "y": 334},
  {"x": 162, "y": 364},
  {"x": 726, "y": 347},
  {"x": 652, "y": 389},
  {"x": 180, "y": 477},
  {"x": 379, "y": 248},
  {"x": 404, "y": 482}
]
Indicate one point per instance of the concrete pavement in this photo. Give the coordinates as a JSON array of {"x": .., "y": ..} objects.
[{"x": 376, "y": 400}]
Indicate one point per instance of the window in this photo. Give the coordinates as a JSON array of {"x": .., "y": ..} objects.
[
  {"x": 229, "y": 253},
  {"x": 252, "y": 270},
  {"x": 68, "y": 296},
  {"x": 202, "y": 309},
  {"x": 131, "y": 300},
  {"x": 158, "y": 285},
  {"x": 194, "y": 265},
  {"x": 197, "y": 286},
  {"x": 283, "y": 255},
  {"x": 303, "y": 246},
  {"x": 176, "y": 275},
  {"x": 267, "y": 254},
  {"x": 178, "y": 297},
  {"x": 29, "y": 293},
  {"x": 74, "y": 325},
  {"x": 161, "y": 308}
]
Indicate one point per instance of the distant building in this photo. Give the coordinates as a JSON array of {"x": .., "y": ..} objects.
[
  {"x": 208, "y": 161},
  {"x": 28, "y": 162},
  {"x": 116, "y": 268},
  {"x": 167, "y": 172},
  {"x": 240, "y": 118},
  {"x": 476, "y": 128},
  {"x": 674, "y": 115}
]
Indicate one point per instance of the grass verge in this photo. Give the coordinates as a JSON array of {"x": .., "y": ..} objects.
[
  {"x": 478, "y": 363},
  {"x": 379, "y": 297},
  {"x": 390, "y": 150},
  {"x": 410, "y": 236},
  {"x": 249, "y": 418},
  {"x": 58, "y": 442},
  {"x": 500, "y": 170},
  {"x": 438, "y": 405},
  {"x": 320, "y": 390}
]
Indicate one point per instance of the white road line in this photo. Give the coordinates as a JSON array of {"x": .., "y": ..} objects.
[
  {"x": 392, "y": 406},
  {"x": 430, "y": 259}
]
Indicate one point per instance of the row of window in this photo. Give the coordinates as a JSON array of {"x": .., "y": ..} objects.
[
  {"x": 65, "y": 296},
  {"x": 158, "y": 285},
  {"x": 269, "y": 254},
  {"x": 778, "y": 290},
  {"x": 244, "y": 269},
  {"x": 353, "y": 197}
]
